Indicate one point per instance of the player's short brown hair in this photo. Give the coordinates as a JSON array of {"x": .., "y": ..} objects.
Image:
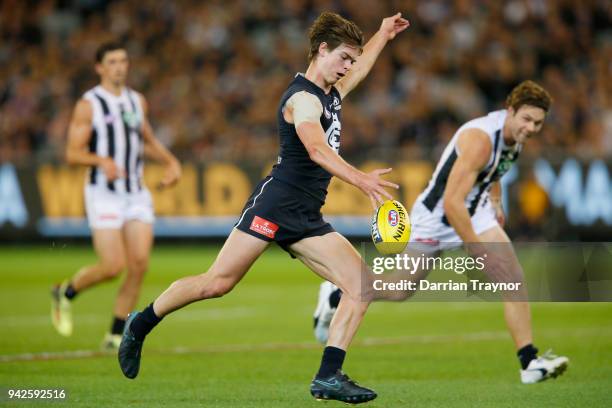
[
  {"x": 333, "y": 29},
  {"x": 529, "y": 93},
  {"x": 108, "y": 47}
]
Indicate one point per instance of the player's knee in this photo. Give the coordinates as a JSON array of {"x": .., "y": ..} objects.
[
  {"x": 139, "y": 264},
  {"x": 356, "y": 293},
  {"x": 113, "y": 268},
  {"x": 358, "y": 300},
  {"x": 223, "y": 287},
  {"x": 216, "y": 288},
  {"x": 401, "y": 295}
]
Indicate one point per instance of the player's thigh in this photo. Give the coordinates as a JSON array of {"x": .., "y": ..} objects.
[
  {"x": 497, "y": 242},
  {"x": 138, "y": 239},
  {"x": 332, "y": 257},
  {"x": 495, "y": 234},
  {"x": 108, "y": 244},
  {"x": 238, "y": 253}
]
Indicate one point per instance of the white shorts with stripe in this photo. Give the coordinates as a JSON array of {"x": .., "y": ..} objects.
[
  {"x": 429, "y": 232},
  {"x": 110, "y": 210}
]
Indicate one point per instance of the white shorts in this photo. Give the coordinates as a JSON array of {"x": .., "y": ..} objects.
[
  {"x": 110, "y": 210},
  {"x": 429, "y": 233}
]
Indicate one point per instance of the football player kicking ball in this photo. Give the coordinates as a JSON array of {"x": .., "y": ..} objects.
[
  {"x": 462, "y": 205},
  {"x": 285, "y": 206}
]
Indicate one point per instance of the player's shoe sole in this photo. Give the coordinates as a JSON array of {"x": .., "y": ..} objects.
[
  {"x": 61, "y": 313},
  {"x": 340, "y": 387},
  {"x": 130, "y": 350}
]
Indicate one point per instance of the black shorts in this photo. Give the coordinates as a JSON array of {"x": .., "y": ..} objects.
[{"x": 277, "y": 211}]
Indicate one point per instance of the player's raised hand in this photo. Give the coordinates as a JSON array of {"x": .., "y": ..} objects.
[
  {"x": 171, "y": 175},
  {"x": 392, "y": 26},
  {"x": 374, "y": 186},
  {"x": 111, "y": 170}
]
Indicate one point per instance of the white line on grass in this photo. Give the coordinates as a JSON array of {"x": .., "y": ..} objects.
[
  {"x": 188, "y": 316},
  {"x": 239, "y": 348}
]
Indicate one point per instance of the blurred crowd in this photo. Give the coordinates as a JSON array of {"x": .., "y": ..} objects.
[{"x": 213, "y": 71}]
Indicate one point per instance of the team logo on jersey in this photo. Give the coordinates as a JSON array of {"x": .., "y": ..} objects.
[
  {"x": 333, "y": 133},
  {"x": 393, "y": 218},
  {"x": 327, "y": 113},
  {"x": 336, "y": 104},
  {"x": 505, "y": 163},
  {"x": 131, "y": 119},
  {"x": 503, "y": 167}
]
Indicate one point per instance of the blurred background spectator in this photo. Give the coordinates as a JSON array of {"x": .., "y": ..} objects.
[{"x": 213, "y": 71}]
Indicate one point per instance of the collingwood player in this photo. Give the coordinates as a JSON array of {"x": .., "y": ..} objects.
[
  {"x": 109, "y": 132},
  {"x": 462, "y": 205},
  {"x": 285, "y": 207}
]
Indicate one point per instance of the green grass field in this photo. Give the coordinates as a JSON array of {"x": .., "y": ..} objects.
[{"x": 255, "y": 348}]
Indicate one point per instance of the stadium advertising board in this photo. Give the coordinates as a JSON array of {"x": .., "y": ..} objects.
[{"x": 565, "y": 200}]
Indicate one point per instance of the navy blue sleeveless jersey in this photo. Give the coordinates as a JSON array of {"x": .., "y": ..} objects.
[{"x": 294, "y": 165}]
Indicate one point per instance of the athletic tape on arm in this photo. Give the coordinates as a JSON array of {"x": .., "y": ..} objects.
[{"x": 306, "y": 107}]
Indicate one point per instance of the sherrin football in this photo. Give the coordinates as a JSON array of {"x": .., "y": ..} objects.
[{"x": 390, "y": 228}]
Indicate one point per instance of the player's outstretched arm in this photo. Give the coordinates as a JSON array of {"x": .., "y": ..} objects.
[
  {"x": 473, "y": 150},
  {"x": 156, "y": 150},
  {"x": 389, "y": 28},
  {"x": 79, "y": 134},
  {"x": 304, "y": 110}
]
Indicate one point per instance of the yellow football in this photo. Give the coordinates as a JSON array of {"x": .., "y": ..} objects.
[{"x": 390, "y": 228}]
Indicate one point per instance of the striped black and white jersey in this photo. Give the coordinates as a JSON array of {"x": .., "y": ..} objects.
[
  {"x": 116, "y": 133},
  {"x": 501, "y": 159}
]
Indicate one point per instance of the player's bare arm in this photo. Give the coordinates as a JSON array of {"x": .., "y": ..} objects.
[
  {"x": 473, "y": 149},
  {"x": 79, "y": 134},
  {"x": 389, "y": 28},
  {"x": 156, "y": 150},
  {"x": 495, "y": 196},
  {"x": 304, "y": 110}
]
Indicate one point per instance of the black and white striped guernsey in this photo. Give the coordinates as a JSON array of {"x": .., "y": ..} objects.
[
  {"x": 501, "y": 159},
  {"x": 116, "y": 133}
]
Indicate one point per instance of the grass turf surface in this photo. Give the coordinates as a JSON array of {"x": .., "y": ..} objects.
[{"x": 255, "y": 348}]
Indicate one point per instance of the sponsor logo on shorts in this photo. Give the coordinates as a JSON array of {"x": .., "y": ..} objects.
[
  {"x": 427, "y": 241},
  {"x": 264, "y": 227},
  {"x": 393, "y": 218},
  {"x": 105, "y": 217}
]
